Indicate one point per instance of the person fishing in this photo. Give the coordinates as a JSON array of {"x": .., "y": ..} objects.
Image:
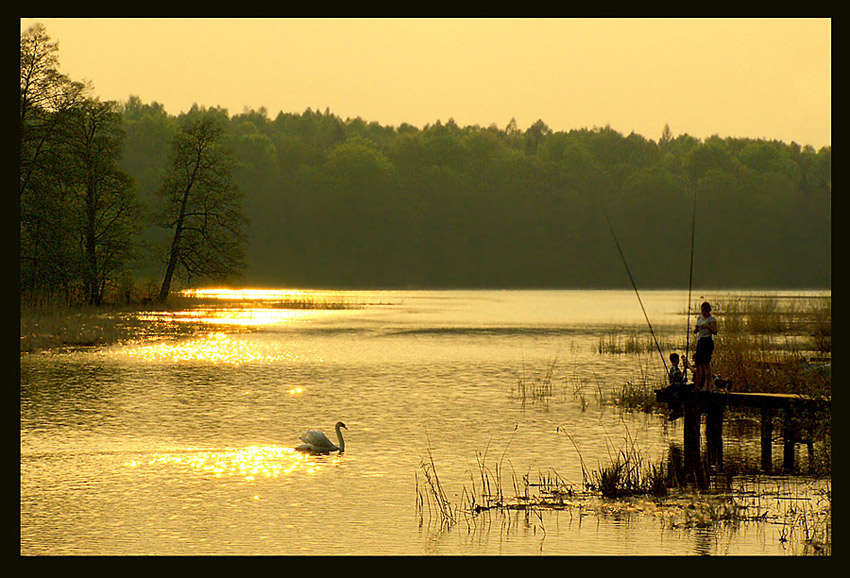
[
  {"x": 678, "y": 385},
  {"x": 705, "y": 329}
]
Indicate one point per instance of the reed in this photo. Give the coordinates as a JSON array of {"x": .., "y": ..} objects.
[
  {"x": 638, "y": 394},
  {"x": 758, "y": 332},
  {"x": 809, "y": 523},
  {"x": 314, "y": 304},
  {"x": 430, "y": 496},
  {"x": 532, "y": 387},
  {"x": 618, "y": 341},
  {"x": 299, "y": 302},
  {"x": 628, "y": 473},
  {"x": 773, "y": 345},
  {"x": 631, "y": 476},
  {"x": 803, "y": 513}
]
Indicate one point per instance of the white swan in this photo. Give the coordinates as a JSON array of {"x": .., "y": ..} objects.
[{"x": 316, "y": 442}]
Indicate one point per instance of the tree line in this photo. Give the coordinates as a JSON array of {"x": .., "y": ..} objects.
[
  {"x": 312, "y": 200},
  {"x": 81, "y": 217}
]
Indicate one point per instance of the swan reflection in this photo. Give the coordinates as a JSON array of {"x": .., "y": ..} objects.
[{"x": 248, "y": 464}]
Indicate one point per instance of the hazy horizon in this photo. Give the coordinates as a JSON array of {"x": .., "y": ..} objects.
[{"x": 741, "y": 78}]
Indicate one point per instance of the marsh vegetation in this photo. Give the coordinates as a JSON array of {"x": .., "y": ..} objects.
[
  {"x": 767, "y": 344},
  {"x": 631, "y": 484}
]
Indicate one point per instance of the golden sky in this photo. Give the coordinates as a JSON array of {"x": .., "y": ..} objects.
[{"x": 757, "y": 78}]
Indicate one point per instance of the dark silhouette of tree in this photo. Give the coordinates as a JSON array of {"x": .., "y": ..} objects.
[
  {"x": 77, "y": 208},
  {"x": 46, "y": 94},
  {"x": 202, "y": 205},
  {"x": 105, "y": 209}
]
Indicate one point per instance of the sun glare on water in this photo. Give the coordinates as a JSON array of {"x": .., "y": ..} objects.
[
  {"x": 213, "y": 347},
  {"x": 248, "y": 464},
  {"x": 246, "y": 317},
  {"x": 247, "y": 294}
]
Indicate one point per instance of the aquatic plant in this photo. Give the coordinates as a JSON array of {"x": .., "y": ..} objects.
[
  {"x": 430, "y": 496},
  {"x": 630, "y": 482},
  {"x": 532, "y": 388},
  {"x": 628, "y": 473},
  {"x": 621, "y": 340}
]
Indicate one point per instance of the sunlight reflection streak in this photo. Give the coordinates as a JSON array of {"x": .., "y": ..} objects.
[
  {"x": 248, "y": 464},
  {"x": 246, "y": 317},
  {"x": 215, "y": 347}
]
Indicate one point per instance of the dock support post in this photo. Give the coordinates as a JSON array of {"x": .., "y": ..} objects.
[
  {"x": 692, "y": 441},
  {"x": 789, "y": 440},
  {"x": 766, "y": 439},
  {"x": 714, "y": 435}
]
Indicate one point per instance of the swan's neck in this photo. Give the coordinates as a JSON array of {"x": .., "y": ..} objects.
[{"x": 341, "y": 441}]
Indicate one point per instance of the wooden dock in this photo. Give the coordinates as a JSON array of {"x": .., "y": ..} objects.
[{"x": 790, "y": 407}]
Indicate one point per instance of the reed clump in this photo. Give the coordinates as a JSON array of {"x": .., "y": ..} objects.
[
  {"x": 638, "y": 394},
  {"x": 781, "y": 345},
  {"x": 485, "y": 491},
  {"x": 430, "y": 496},
  {"x": 628, "y": 473},
  {"x": 631, "y": 482},
  {"x": 532, "y": 387},
  {"x": 313, "y": 304},
  {"x": 618, "y": 340},
  {"x": 775, "y": 345},
  {"x": 296, "y": 302}
]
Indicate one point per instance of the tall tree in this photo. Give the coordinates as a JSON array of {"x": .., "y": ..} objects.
[
  {"x": 106, "y": 208},
  {"x": 202, "y": 206},
  {"x": 46, "y": 97}
]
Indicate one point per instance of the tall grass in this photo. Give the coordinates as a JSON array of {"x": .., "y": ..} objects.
[
  {"x": 531, "y": 387},
  {"x": 628, "y": 476},
  {"x": 44, "y": 328},
  {"x": 618, "y": 340},
  {"x": 486, "y": 490},
  {"x": 536, "y": 386},
  {"x": 768, "y": 344},
  {"x": 627, "y": 473},
  {"x": 430, "y": 496},
  {"x": 299, "y": 302}
]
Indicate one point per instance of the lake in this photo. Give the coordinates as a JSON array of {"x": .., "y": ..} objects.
[{"x": 183, "y": 445}]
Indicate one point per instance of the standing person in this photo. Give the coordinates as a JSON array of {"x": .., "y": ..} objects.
[{"x": 705, "y": 329}]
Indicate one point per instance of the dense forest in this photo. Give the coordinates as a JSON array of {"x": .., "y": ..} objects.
[{"x": 311, "y": 200}]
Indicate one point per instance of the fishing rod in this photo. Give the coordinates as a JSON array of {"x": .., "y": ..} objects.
[
  {"x": 634, "y": 286},
  {"x": 691, "y": 274}
]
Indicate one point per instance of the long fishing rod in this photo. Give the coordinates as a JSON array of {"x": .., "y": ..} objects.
[
  {"x": 691, "y": 275},
  {"x": 634, "y": 286}
]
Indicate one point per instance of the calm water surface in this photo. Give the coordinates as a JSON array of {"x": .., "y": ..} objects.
[{"x": 185, "y": 445}]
